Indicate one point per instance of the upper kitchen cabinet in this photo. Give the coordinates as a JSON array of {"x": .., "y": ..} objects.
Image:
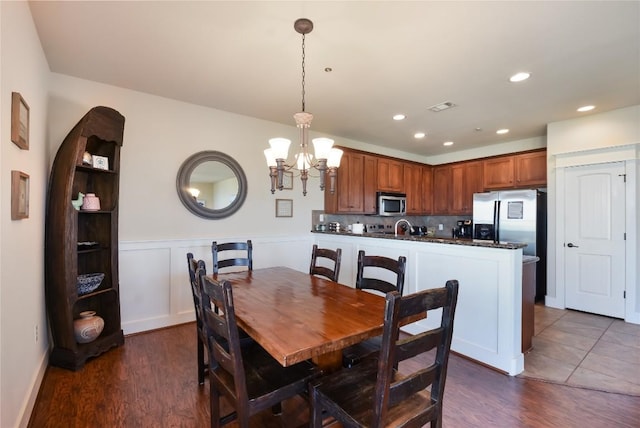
[
  {"x": 418, "y": 187},
  {"x": 442, "y": 189},
  {"x": 355, "y": 187},
  {"x": 515, "y": 171},
  {"x": 390, "y": 175},
  {"x": 454, "y": 186},
  {"x": 531, "y": 169},
  {"x": 466, "y": 179}
]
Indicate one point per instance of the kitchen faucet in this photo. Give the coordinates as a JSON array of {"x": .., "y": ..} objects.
[{"x": 395, "y": 228}]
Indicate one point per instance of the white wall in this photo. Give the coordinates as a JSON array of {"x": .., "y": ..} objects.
[
  {"x": 23, "y": 69},
  {"x": 605, "y": 137},
  {"x": 159, "y": 135}
]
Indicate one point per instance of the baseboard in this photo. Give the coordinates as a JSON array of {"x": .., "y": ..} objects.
[{"x": 29, "y": 403}]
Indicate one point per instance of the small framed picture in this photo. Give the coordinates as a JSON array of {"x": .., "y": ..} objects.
[
  {"x": 100, "y": 162},
  {"x": 19, "y": 121},
  {"x": 284, "y": 207},
  {"x": 19, "y": 195},
  {"x": 287, "y": 180}
]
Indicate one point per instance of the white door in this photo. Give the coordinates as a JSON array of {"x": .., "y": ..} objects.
[{"x": 594, "y": 244}]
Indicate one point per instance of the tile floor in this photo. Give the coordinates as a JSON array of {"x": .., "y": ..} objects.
[{"x": 584, "y": 350}]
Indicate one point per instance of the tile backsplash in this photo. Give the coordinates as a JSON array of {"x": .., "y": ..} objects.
[{"x": 431, "y": 222}]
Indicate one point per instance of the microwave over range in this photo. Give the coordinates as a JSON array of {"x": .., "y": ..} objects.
[{"x": 391, "y": 204}]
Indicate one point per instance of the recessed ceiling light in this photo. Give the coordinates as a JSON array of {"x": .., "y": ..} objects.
[
  {"x": 502, "y": 131},
  {"x": 448, "y": 143},
  {"x": 519, "y": 77},
  {"x": 399, "y": 117},
  {"x": 586, "y": 108},
  {"x": 419, "y": 135}
]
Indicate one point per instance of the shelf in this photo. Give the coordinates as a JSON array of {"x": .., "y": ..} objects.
[{"x": 100, "y": 133}]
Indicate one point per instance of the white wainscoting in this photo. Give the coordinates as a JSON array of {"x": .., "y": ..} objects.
[
  {"x": 488, "y": 320},
  {"x": 154, "y": 282}
]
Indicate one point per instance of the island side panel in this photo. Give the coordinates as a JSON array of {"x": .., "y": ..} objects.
[{"x": 487, "y": 325}]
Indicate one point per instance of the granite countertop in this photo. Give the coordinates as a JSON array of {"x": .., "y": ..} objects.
[{"x": 431, "y": 239}]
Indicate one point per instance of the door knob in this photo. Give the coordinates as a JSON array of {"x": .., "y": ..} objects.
[{"x": 570, "y": 245}]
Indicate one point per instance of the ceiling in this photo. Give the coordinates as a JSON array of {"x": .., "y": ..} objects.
[{"x": 386, "y": 57}]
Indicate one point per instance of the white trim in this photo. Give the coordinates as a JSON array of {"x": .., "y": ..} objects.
[{"x": 628, "y": 154}]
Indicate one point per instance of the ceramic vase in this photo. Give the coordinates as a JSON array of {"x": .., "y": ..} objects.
[
  {"x": 91, "y": 202},
  {"x": 88, "y": 327}
]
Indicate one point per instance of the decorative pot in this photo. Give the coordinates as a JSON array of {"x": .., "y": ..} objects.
[
  {"x": 87, "y": 158},
  {"x": 88, "y": 327},
  {"x": 91, "y": 202}
]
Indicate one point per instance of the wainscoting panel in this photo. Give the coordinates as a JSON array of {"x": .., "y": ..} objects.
[{"x": 154, "y": 282}]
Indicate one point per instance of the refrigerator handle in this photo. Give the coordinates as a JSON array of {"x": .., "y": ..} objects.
[{"x": 496, "y": 221}]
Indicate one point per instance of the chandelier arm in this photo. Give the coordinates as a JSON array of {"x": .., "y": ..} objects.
[
  {"x": 333, "y": 173},
  {"x": 273, "y": 174},
  {"x": 321, "y": 166},
  {"x": 304, "y": 175}
]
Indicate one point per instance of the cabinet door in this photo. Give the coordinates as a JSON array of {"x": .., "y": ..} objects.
[
  {"x": 427, "y": 189},
  {"x": 498, "y": 173},
  {"x": 413, "y": 188},
  {"x": 442, "y": 187},
  {"x": 350, "y": 187},
  {"x": 390, "y": 175},
  {"x": 370, "y": 184},
  {"x": 466, "y": 180},
  {"x": 531, "y": 169}
]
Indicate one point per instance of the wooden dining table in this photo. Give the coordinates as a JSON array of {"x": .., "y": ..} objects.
[{"x": 296, "y": 316}]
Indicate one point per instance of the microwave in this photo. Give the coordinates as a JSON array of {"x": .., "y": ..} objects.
[{"x": 391, "y": 204}]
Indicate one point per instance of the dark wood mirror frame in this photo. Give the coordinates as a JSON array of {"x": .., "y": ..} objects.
[{"x": 184, "y": 178}]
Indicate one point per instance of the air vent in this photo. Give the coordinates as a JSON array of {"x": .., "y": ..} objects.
[{"x": 442, "y": 106}]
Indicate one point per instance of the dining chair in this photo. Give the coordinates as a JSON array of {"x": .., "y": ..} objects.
[
  {"x": 333, "y": 256},
  {"x": 245, "y": 247},
  {"x": 374, "y": 394},
  {"x": 247, "y": 377},
  {"x": 369, "y": 267},
  {"x": 193, "y": 266}
]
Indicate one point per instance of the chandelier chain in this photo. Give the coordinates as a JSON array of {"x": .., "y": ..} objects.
[{"x": 303, "y": 73}]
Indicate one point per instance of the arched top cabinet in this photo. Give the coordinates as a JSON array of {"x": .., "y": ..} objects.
[{"x": 84, "y": 240}]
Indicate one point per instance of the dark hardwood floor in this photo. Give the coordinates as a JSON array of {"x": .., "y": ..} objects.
[{"x": 151, "y": 382}]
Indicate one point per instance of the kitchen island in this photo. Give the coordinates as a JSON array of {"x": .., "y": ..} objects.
[{"x": 488, "y": 319}]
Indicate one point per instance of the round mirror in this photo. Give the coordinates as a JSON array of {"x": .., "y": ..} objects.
[{"x": 211, "y": 185}]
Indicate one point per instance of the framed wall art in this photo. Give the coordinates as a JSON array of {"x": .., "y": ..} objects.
[
  {"x": 19, "y": 195},
  {"x": 287, "y": 180},
  {"x": 100, "y": 162},
  {"x": 19, "y": 121},
  {"x": 284, "y": 207}
]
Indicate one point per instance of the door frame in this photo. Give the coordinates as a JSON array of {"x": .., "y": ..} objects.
[{"x": 556, "y": 266}]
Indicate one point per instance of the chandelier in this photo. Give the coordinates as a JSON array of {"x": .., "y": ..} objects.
[{"x": 327, "y": 158}]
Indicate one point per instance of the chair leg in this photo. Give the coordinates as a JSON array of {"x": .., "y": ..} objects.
[
  {"x": 201, "y": 365},
  {"x": 214, "y": 398},
  {"x": 316, "y": 411}
]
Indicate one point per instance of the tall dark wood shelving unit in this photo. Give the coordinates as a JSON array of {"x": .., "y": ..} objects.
[{"x": 100, "y": 133}]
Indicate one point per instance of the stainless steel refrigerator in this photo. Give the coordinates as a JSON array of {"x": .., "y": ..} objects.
[{"x": 515, "y": 216}]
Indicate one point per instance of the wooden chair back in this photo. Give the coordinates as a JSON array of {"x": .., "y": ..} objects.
[
  {"x": 247, "y": 260},
  {"x": 372, "y": 283},
  {"x": 196, "y": 290},
  {"x": 333, "y": 255},
  {"x": 374, "y": 394}
]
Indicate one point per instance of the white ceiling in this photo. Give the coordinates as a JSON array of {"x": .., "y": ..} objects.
[{"x": 387, "y": 57}]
